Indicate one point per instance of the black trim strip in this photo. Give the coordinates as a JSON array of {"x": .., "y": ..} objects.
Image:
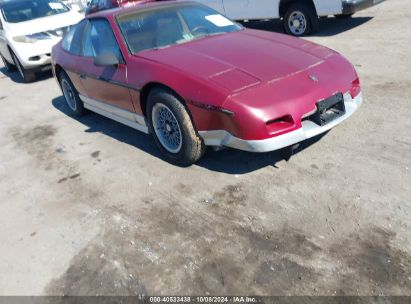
[{"x": 209, "y": 107}]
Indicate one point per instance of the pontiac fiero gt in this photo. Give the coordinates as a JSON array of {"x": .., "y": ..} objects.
[{"x": 193, "y": 78}]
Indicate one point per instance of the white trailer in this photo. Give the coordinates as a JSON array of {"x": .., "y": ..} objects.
[{"x": 300, "y": 17}]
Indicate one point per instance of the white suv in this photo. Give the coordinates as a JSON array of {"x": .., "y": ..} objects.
[{"x": 28, "y": 31}]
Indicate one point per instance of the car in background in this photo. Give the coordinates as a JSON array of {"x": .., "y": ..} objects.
[
  {"x": 28, "y": 31},
  {"x": 193, "y": 78},
  {"x": 300, "y": 17},
  {"x": 99, "y": 5},
  {"x": 77, "y": 5}
]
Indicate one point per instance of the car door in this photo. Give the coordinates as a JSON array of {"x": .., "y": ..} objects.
[
  {"x": 215, "y": 4},
  {"x": 251, "y": 9},
  {"x": 106, "y": 86}
]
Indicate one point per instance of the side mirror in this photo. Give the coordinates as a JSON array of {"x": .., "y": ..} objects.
[{"x": 106, "y": 59}]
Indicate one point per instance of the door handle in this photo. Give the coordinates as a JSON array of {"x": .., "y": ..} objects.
[{"x": 82, "y": 76}]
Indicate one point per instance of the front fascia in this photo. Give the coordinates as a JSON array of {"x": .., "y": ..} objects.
[{"x": 308, "y": 129}]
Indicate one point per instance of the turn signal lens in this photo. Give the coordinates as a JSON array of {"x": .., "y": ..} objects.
[
  {"x": 356, "y": 82},
  {"x": 356, "y": 87}
]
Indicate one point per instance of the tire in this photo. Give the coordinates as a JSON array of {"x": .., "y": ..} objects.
[
  {"x": 9, "y": 67},
  {"x": 26, "y": 75},
  {"x": 71, "y": 95},
  {"x": 170, "y": 124},
  {"x": 300, "y": 19}
]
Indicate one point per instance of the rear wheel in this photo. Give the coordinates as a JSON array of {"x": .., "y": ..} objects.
[
  {"x": 71, "y": 95},
  {"x": 300, "y": 19},
  {"x": 9, "y": 67},
  {"x": 172, "y": 128},
  {"x": 27, "y": 75}
]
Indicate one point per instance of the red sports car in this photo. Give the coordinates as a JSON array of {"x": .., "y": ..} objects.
[{"x": 193, "y": 78}]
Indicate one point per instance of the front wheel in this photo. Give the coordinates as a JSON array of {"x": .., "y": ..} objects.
[
  {"x": 300, "y": 19},
  {"x": 27, "y": 75},
  {"x": 9, "y": 67},
  {"x": 172, "y": 128}
]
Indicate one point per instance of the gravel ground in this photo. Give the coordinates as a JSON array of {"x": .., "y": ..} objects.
[{"x": 88, "y": 206}]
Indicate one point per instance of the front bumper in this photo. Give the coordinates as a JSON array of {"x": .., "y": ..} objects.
[
  {"x": 34, "y": 55},
  {"x": 353, "y": 6},
  {"x": 309, "y": 129}
]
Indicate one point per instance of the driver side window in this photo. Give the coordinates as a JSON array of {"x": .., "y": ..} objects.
[{"x": 99, "y": 39}]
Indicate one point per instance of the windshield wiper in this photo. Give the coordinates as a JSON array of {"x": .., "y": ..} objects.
[{"x": 210, "y": 35}]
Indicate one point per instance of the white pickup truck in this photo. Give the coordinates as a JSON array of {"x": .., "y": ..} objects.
[{"x": 300, "y": 17}]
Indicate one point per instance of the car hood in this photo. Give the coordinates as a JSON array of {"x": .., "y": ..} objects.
[
  {"x": 43, "y": 24},
  {"x": 237, "y": 61}
]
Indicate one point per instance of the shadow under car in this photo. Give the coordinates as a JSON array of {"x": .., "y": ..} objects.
[{"x": 228, "y": 160}]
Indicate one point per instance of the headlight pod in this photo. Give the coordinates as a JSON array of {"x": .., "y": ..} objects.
[
  {"x": 32, "y": 38},
  {"x": 24, "y": 39}
]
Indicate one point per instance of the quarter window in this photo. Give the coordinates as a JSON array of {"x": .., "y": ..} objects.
[
  {"x": 72, "y": 40},
  {"x": 99, "y": 39}
]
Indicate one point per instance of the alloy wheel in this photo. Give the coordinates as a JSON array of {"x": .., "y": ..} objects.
[
  {"x": 167, "y": 128},
  {"x": 297, "y": 23},
  {"x": 69, "y": 94}
]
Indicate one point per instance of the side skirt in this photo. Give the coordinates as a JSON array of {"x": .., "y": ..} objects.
[{"x": 125, "y": 117}]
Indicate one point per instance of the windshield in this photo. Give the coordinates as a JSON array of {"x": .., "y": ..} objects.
[
  {"x": 167, "y": 26},
  {"x": 25, "y": 10}
]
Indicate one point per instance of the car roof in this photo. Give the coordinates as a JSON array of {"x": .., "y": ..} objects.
[{"x": 120, "y": 10}]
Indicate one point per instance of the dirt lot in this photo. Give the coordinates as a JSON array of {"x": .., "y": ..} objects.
[{"x": 89, "y": 206}]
